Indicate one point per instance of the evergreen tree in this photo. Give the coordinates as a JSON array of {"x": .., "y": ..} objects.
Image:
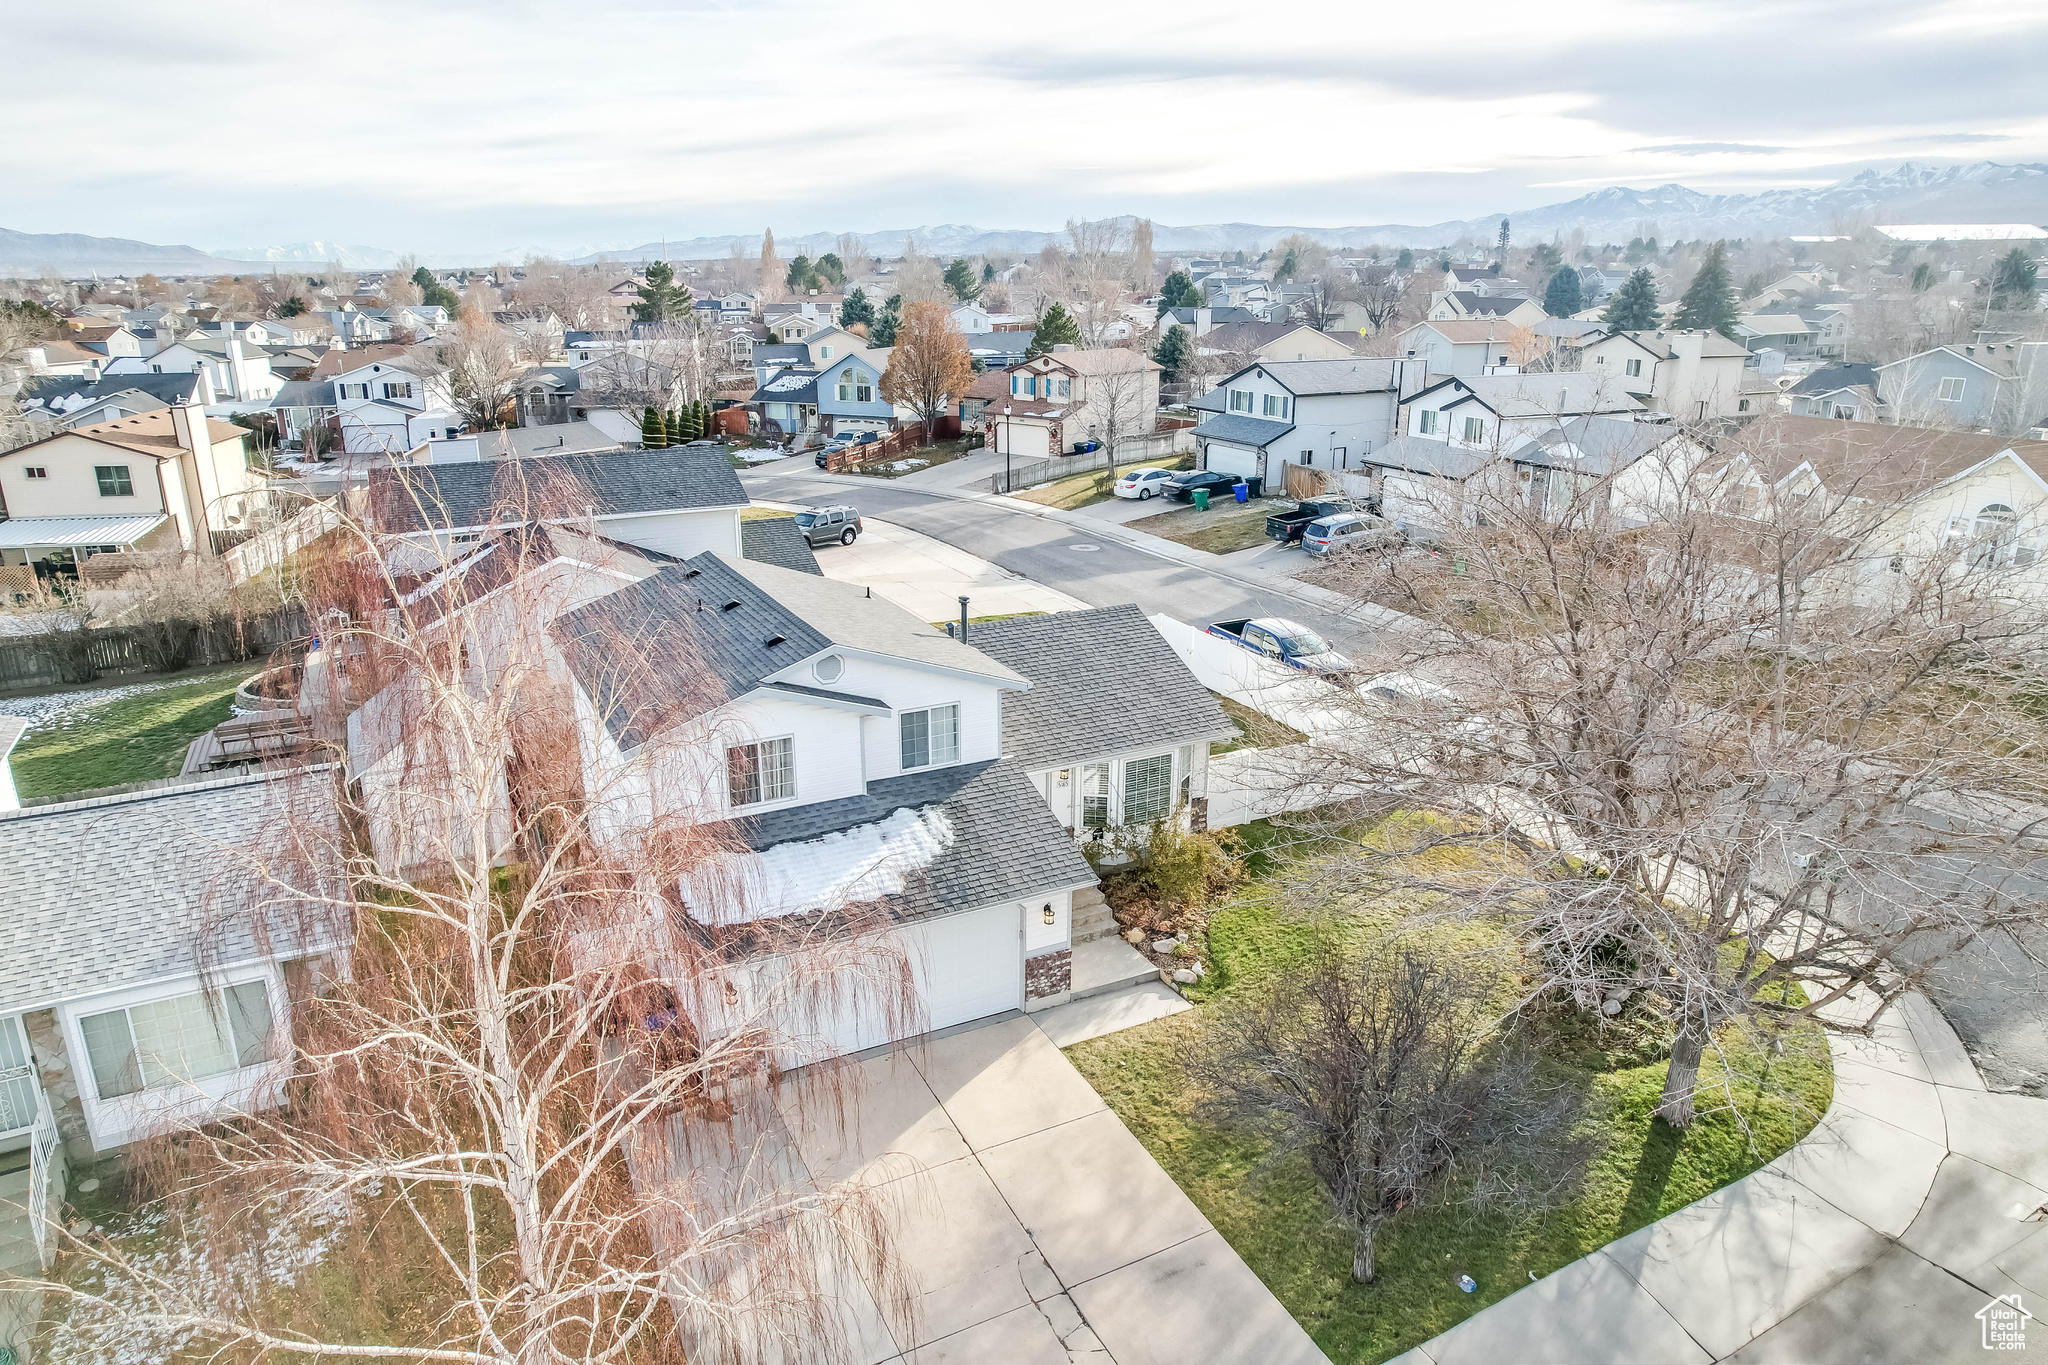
[
  {"x": 1634, "y": 308},
  {"x": 960, "y": 279},
  {"x": 1289, "y": 263},
  {"x": 799, "y": 277},
  {"x": 883, "y": 333},
  {"x": 1056, "y": 328},
  {"x": 686, "y": 422},
  {"x": 1563, "y": 298},
  {"x": 661, "y": 298},
  {"x": 707, "y": 424},
  {"x": 1180, "y": 292},
  {"x": 424, "y": 278},
  {"x": 1502, "y": 257},
  {"x": 1405, "y": 261},
  {"x": 1174, "y": 351},
  {"x": 988, "y": 272},
  {"x": 832, "y": 268},
  {"x": 291, "y": 307},
  {"x": 2014, "y": 284},
  {"x": 1923, "y": 278},
  {"x": 653, "y": 434},
  {"x": 857, "y": 308},
  {"x": 1709, "y": 301}
]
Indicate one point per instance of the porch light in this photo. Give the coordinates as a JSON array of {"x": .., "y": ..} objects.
[{"x": 1050, "y": 917}]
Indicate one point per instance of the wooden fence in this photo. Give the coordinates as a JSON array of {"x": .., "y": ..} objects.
[
  {"x": 1299, "y": 481},
  {"x": 52, "y": 660}
]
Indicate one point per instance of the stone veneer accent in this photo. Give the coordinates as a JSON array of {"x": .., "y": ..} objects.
[
  {"x": 53, "y": 1066},
  {"x": 1048, "y": 974}
]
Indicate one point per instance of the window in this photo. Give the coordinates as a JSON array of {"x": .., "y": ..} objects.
[
  {"x": 1066, "y": 388},
  {"x": 36, "y": 471},
  {"x": 1994, "y": 532},
  {"x": 1742, "y": 405},
  {"x": 1276, "y": 406},
  {"x": 1308, "y": 457},
  {"x": 398, "y": 390},
  {"x": 171, "y": 1042},
  {"x": 863, "y": 392},
  {"x": 1240, "y": 400},
  {"x": 931, "y": 737},
  {"x": 1950, "y": 390},
  {"x": 824, "y": 353},
  {"x": 1635, "y": 367},
  {"x": 1426, "y": 423},
  {"x": 114, "y": 481},
  {"x": 1148, "y": 789},
  {"x": 1475, "y": 429},
  {"x": 761, "y": 772},
  {"x": 1095, "y": 796},
  {"x": 846, "y": 387}
]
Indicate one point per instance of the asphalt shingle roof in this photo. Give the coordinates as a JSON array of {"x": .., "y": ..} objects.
[
  {"x": 1256, "y": 432},
  {"x": 1308, "y": 377},
  {"x": 431, "y": 497},
  {"x": 776, "y": 540},
  {"x": 116, "y": 891},
  {"x": 1829, "y": 378},
  {"x": 1103, "y": 681}
]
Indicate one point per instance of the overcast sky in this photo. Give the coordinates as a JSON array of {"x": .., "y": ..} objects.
[{"x": 495, "y": 127}]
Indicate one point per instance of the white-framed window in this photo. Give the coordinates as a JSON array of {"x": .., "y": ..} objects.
[
  {"x": 863, "y": 392},
  {"x": 846, "y": 387},
  {"x": 1095, "y": 796},
  {"x": 931, "y": 737},
  {"x": 113, "y": 480},
  {"x": 1241, "y": 400},
  {"x": 398, "y": 390},
  {"x": 760, "y": 772},
  {"x": 1066, "y": 388},
  {"x": 1475, "y": 429},
  {"x": 17, "y": 1078},
  {"x": 1148, "y": 789},
  {"x": 1276, "y": 406},
  {"x": 824, "y": 353},
  {"x": 1635, "y": 367},
  {"x": 1950, "y": 390},
  {"x": 1426, "y": 421},
  {"x": 177, "y": 1041}
]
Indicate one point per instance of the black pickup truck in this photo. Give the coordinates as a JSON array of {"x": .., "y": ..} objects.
[{"x": 1286, "y": 527}]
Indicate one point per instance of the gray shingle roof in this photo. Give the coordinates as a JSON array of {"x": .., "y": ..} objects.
[
  {"x": 1007, "y": 843},
  {"x": 1244, "y": 431},
  {"x": 1103, "y": 681},
  {"x": 1829, "y": 378},
  {"x": 116, "y": 891},
  {"x": 776, "y": 540},
  {"x": 1307, "y": 377},
  {"x": 1605, "y": 445},
  {"x": 417, "y": 498},
  {"x": 788, "y": 386},
  {"x": 1423, "y": 456},
  {"x": 1538, "y": 395}
]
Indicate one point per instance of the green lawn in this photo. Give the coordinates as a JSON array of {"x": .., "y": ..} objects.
[
  {"x": 127, "y": 739},
  {"x": 1076, "y": 490},
  {"x": 1277, "y": 1219},
  {"x": 1220, "y": 530}
]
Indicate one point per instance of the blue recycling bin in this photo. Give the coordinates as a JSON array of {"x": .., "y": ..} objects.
[{"x": 1241, "y": 491}]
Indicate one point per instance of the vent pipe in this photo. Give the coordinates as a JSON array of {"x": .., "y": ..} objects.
[{"x": 963, "y": 620}]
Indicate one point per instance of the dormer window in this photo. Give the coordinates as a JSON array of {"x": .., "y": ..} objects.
[
  {"x": 930, "y": 738},
  {"x": 761, "y": 772}
]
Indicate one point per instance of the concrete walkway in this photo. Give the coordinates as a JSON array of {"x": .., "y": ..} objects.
[{"x": 1917, "y": 1199}]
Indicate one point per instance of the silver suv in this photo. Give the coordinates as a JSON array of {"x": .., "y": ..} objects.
[{"x": 825, "y": 525}]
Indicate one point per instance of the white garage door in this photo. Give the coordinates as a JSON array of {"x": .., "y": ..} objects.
[
  {"x": 1226, "y": 459},
  {"x": 971, "y": 965}
]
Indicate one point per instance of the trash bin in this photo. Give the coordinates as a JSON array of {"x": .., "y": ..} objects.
[
  {"x": 1201, "y": 499},
  {"x": 1242, "y": 492},
  {"x": 1257, "y": 485}
]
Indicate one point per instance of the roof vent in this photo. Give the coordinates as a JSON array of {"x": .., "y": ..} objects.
[
  {"x": 774, "y": 640},
  {"x": 692, "y": 574},
  {"x": 730, "y": 605}
]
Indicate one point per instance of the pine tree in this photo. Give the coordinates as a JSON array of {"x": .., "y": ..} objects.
[
  {"x": 661, "y": 298},
  {"x": 1056, "y": 328},
  {"x": 1405, "y": 262},
  {"x": 1174, "y": 351},
  {"x": 1634, "y": 308},
  {"x": 1180, "y": 292},
  {"x": 857, "y": 308},
  {"x": 799, "y": 277},
  {"x": 706, "y": 426},
  {"x": 1502, "y": 258},
  {"x": 960, "y": 279},
  {"x": 883, "y": 333},
  {"x": 653, "y": 434},
  {"x": 1563, "y": 298},
  {"x": 2015, "y": 284},
  {"x": 1709, "y": 301}
]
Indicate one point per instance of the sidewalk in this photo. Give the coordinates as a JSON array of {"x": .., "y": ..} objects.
[{"x": 1917, "y": 1200}]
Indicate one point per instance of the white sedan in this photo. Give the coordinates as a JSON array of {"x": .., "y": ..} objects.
[{"x": 1141, "y": 483}]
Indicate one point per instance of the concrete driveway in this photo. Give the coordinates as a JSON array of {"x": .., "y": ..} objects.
[{"x": 1038, "y": 1229}]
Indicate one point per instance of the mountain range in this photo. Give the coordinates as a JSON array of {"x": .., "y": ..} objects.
[{"x": 1980, "y": 192}]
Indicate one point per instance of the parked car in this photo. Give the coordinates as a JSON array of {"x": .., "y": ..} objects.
[
  {"x": 1181, "y": 487},
  {"x": 1284, "y": 641},
  {"x": 1141, "y": 483},
  {"x": 824, "y": 525},
  {"x": 839, "y": 443},
  {"x": 1350, "y": 531},
  {"x": 1084, "y": 447},
  {"x": 1286, "y": 527}
]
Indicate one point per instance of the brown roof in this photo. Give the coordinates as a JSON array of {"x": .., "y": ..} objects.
[
  {"x": 338, "y": 361},
  {"x": 1460, "y": 330},
  {"x": 988, "y": 386},
  {"x": 151, "y": 433},
  {"x": 62, "y": 351},
  {"x": 1871, "y": 458}
]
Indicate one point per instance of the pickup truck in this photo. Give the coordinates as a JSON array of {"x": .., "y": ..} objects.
[
  {"x": 1284, "y": 641},
  {"x": 1286, "y": 527}
]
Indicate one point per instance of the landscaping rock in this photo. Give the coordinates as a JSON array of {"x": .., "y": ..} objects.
[
  {"x": 1165, "y": 945},
  {"x": 1134, "y": 936},
  {"x": 1187, "y": 976}
]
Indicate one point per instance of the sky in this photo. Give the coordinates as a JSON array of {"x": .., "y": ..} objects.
[{"x": 510, "y": 126}]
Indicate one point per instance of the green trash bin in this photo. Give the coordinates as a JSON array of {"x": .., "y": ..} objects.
[{"x": 1201, "y": 499}]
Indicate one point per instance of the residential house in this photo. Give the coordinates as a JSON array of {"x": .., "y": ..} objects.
[
  {"x": 147, "y": 980},
  {"x": 674, "y": 502},
  {"x": 1273, "y": 341},
  {"x": 354, "y": 327},
  {"x": 1844, "y": 392},
  {"x": 1510, "y": 308},
  {"x": 1114, "y": 730},
  {"x": 2001, "y": 387},
  {"x": 1483, "y": 281},
  {"x": 787, "y": 402},
  {"x": 725, "y": 308},
  {"x": 57, "y": 355},
  {"x": 1323, "y": 414},
  {"x": 1694, "y": 374},
  {"x": 383, "y": 407},
  {"x": 1460, "y": 345},
  {"x": 1069, "y": 395},
  {"x": 1498, "y": 412},
  {"x": 998, "y": 350},
  {"x": 1203, "y": 320},
  {"x": 108, "y": 339},
  {"x": 50, "y": 402},
  {"x": 170, "y": 479},
  {"x": 237, "y": 370},
  {"x": 798, "y": 318},
  {"x": 849, "y": 395},
  {"x": 537, "y": 330}
]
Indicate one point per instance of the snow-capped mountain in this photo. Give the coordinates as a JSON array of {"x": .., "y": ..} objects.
[{"x": 313, "y": 253}]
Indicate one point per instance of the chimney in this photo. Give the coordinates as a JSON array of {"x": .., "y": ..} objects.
[
  {"x": 238, "y": 369},
  {"x": 963, "y": 620},
  {"x": 188, "y": 424}
]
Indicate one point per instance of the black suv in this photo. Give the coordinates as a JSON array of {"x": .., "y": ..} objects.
[{"x": 825, "y": 525}]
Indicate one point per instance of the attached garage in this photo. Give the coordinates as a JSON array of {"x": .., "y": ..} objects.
[
  {"x": 1234, "y": 444},
  {"x": 1230, "y": 459},
  {"x": 970, "y": 965}
]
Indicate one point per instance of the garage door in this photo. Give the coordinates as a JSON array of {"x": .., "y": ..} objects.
[
  {"x": 1226, "y": 459},
  {"x": 971, "y": 965}
]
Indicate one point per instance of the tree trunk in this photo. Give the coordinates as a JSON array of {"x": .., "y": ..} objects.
[
  {"x": 1361, "y": 1256},
  {"x": 1676, "y": 1107}
]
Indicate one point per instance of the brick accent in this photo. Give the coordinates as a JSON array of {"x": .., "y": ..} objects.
[
  {"x": 1198, "y": 814},
  {"x": 1048, "y": 974}
]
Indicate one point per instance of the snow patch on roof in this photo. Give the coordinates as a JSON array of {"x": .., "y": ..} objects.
[{"x": 864, "y": 863}]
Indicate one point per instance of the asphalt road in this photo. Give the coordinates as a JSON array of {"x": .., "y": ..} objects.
[{"x": 1994, "y": 993}]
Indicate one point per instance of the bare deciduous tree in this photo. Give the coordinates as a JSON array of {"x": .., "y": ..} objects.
[
  {"x": 482, "y": 366},
  {"x": 929, "y": 366}
]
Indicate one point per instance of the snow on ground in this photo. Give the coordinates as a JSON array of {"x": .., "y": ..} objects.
[{"x": 60, "y": 710}]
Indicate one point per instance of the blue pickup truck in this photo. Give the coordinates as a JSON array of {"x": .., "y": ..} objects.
[{"x": 1286, "y": 642}]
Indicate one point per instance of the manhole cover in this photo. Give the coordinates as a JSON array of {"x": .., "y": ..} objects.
[{"x": 1084, "y": 549}]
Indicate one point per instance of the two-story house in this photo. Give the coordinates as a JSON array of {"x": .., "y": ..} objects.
[
  {"x": 384, "y": 407},
  {"x": 1458, "y": 346},
  {"x": 1498, "y": 412},
  {"x": 1513, "y": 309},
  {"x": 170, "y": 479},
  {"x": 1844, "y": 392},
  {"x": 849, "y": 393},
  {"x": 1692, "y": 375},
  {"x": 1323, "y": 414},
  {"x": 2001, "y": 387},
  {"x": 237, "y": 369},
  {"x": 1068, "y": 395}
]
